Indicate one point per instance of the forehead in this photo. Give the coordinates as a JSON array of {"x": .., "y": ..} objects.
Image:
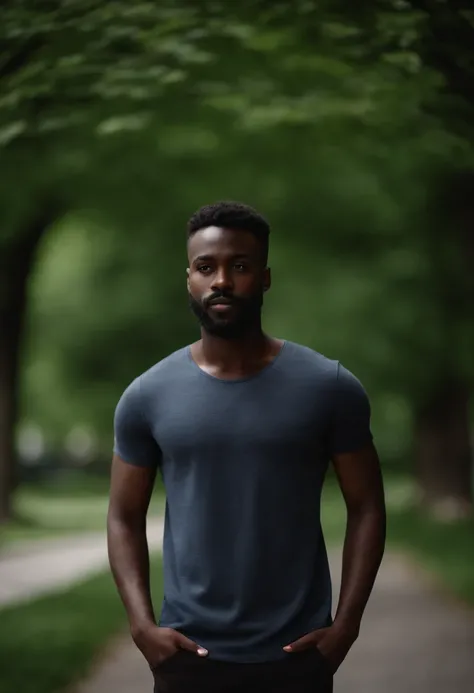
[{"x": 217, "y": 241}]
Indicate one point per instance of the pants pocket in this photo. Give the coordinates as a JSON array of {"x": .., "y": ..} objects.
[
  {"x": 325, "y": 663},
  {"x": 170, "y": 661}
]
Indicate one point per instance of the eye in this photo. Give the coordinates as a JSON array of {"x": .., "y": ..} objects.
[
  {"x": 240, "y": 267},
  {"x": 204, "y": 269}
]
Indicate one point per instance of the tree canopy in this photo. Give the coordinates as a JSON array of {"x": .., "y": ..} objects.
[{"x": 349, "y": 126}]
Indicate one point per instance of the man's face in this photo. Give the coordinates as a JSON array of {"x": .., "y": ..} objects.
[{"x": 226, "y": 280}]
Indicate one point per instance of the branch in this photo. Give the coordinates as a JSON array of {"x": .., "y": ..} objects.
[
  {"x": 19, "y": 59},
  {"x": 452, "y": 32}
]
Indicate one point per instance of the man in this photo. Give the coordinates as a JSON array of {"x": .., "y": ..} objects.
[{"x": 242, "y": 426}]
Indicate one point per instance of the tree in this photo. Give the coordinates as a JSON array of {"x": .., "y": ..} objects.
[
  {"x": 86, "y": 85},
  {"x": 442, "y": 42},
  {"x": 70, "y": 72},
  {"x": 74, "y": 72}
]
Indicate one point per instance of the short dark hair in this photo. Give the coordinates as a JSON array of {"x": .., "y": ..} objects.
[{"x": 231, "y": 215}]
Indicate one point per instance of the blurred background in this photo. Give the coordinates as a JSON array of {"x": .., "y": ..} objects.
[{"x": 350, "y": 127}]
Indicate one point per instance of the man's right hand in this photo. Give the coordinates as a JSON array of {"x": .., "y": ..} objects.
[{"x": 159, "y": 644}]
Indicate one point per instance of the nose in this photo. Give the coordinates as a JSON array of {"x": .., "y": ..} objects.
[{"x": 222, "y": 281}]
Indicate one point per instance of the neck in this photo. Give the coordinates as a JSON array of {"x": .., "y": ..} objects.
[{"x": 234, "y": 353}]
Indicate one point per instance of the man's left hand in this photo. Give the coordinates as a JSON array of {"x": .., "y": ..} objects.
[{"x": 333, "y": 643}]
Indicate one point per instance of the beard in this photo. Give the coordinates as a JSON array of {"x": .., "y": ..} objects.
[{"x": 246, "y": 316}]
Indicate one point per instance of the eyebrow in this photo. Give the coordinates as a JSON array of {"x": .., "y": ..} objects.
[{"x": 204, "y": 258}]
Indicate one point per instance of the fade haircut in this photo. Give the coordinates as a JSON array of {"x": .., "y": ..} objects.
[{"x": 231, "y": 215}]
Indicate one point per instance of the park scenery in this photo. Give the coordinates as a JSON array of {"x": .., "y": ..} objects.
[{"x": 350, "y": 127}]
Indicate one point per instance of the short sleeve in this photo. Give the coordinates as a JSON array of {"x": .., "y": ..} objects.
[
  {"x": 133, "y": 440},
  {"x": 349, "y": 428}
]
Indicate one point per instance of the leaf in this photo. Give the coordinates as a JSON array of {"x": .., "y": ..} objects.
[
  {"x": 12, "y": 131},
  {"x": 130, "y": 123}
]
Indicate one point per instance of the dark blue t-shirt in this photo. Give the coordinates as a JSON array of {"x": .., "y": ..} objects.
[{"x": 243, "y": 463}]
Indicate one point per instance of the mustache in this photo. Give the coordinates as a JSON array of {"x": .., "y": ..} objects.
[{"x": 216, "y": 296}]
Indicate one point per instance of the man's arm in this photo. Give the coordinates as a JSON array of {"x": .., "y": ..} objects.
[
  {"x": 357, "y": 467},
  {"x": 136, "y": 458},
  {"x": 360, "y": 479},
  {"x": 130, "y": 493}
]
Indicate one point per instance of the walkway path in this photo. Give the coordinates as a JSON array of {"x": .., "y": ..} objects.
[
  {"x": 412, "y": 641},
  {"x": 30, "y": 569}
]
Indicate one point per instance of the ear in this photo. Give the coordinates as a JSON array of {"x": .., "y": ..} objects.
[
  {"x": 187, "y": 278},
  {"x": 267, "y": 278}
]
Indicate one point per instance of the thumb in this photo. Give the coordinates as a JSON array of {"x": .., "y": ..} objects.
[
  {"x": 187, "y": 644},
  {"x": 303, "y": 643}
]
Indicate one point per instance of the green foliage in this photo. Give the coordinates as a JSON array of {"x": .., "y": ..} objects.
[
  {"x": 49, "y": 643},
  {"x": 73, "y": 64},
  {"x": 338, "y": 121}
]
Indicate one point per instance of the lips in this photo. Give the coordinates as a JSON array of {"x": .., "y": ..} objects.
[
  {"x": 221, "y": 306},
  {"x": 221, "y": 302}
]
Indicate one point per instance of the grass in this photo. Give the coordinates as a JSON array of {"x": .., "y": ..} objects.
[
  {"x": 445, "y": 549},
  {"x": 56, "y": 509},
  {"x": 49, "y": 643}
]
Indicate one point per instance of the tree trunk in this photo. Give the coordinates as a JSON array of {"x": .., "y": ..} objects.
[
  {"x": 16, "y": 260},
  {"x": 443, "y": 451},
  {"x": 443, "y": 464}
]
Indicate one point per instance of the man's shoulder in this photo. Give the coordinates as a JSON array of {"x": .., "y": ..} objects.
[
  {"x": 318, "y": 370},
  {"x": 314, "y": 362},
  {"x": 148, "y": 387},
  {"x": 310, "y": 359},
  {"x": 169, "y": 365}
]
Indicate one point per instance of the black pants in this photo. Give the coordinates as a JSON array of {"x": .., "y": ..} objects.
[{"x": 186, "y": 672}]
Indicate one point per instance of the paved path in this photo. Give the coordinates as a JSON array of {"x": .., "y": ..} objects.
[
  {"x": 412, "y": 641},
  {"x": 30, "y": 569}
]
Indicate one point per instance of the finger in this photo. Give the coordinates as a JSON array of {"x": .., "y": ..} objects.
[
  {"x": 307, "y": 641},
  {"x": 303, "y": 643},
  {"x": 187, "y": 644}
]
